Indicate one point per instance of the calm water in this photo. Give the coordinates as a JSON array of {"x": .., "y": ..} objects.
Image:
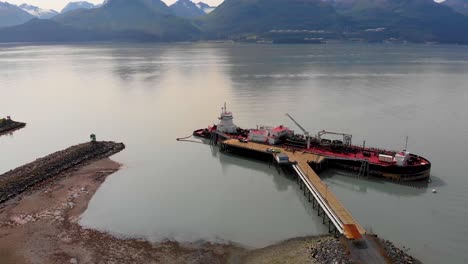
[{"x": 148, "y": 95}]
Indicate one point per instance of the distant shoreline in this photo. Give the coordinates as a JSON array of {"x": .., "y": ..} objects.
[{"x": 337, "y": 42}]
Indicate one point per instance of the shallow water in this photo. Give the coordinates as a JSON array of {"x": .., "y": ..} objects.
[{"x": 147, "y": 95}]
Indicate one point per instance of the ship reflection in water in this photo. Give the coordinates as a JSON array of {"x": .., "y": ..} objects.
[{"x": 348, "y": 181}]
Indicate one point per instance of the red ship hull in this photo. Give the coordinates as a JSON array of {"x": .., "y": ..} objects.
[{"x": 348, "y": 158}]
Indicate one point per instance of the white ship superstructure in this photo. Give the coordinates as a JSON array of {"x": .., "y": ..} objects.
[{"x": 226, "y": 123}]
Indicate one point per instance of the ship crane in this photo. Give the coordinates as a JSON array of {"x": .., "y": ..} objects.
[{"x": 306, "y": 133}]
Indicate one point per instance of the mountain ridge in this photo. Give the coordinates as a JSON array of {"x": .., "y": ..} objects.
[
  {"x": 277, "y": 21},
  {"x": 460, "y": 6},
  {"x": 365, "y": 20},
  {"x": 235, "y": 17},
  {"x": 205, "y": 7},
  {"x": 11, "y": 15},
  {"x": 38, "y": 12},
  {"x": 148, "y": 16},
  {"x": 186, "y": 9},
  {"x": 77, "y": 5}
]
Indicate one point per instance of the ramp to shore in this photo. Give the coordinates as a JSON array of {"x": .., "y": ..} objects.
[{"x": 330, "y": 205}]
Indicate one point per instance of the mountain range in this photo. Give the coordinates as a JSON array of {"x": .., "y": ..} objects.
[
  {"x": 205, "y": 7},
  {"x": 11, "y": 15},
  {"x": 38, "y": 12},
  {"x": 366, "y": 20},
  {"x": 78, "y": 5},
  {"x": 279, "y": 21},
  {"x": 240, "y": 17},
  {"x": 152, "y": 17},
  {"x": 186, "y": 9},
  {"x": 460, "y": 6}
]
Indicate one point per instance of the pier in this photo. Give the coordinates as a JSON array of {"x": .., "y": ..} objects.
[{"x": 333, "y": 213}]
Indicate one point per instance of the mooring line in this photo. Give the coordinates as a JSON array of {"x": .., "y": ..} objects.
[{"x": 179, "y": 139}]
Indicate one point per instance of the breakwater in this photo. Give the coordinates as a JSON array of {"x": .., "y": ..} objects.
[
  {"x": 7, "y": 125},
  {"x": 20, "y": 179}
]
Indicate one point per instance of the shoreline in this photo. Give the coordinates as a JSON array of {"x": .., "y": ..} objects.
[{"x": 40, "y": 225}]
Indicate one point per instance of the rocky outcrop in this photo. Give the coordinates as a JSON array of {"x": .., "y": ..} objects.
[
  {"x": 20, "y": 179},
  {"x": 7, "y": 125}
]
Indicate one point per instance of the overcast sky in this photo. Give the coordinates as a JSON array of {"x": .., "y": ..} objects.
[{"x": 59, "y": 4}]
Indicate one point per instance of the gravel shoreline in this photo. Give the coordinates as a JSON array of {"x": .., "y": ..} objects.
[
  {"x": 41, "y": 226},
  {"x": 398, "y": 256}
]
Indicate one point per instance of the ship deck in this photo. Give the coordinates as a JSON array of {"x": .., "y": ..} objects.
[
  {"x": 353, "y": 228},
  {"x": 328, "y": 153},
  {"x": 374, "y": 159}
]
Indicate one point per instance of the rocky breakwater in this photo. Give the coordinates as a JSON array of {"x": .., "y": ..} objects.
[
  {"x": 329, "y": 250},
  {"x": 396, "y": 255},
  {"x": 7, "y": 125},
  {"x": 27, "y": 176}
]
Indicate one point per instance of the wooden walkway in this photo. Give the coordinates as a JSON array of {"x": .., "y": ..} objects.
[{"x": 302, "y": 159}]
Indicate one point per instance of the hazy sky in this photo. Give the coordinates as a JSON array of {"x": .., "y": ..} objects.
[{"x": 59, "y": 4}]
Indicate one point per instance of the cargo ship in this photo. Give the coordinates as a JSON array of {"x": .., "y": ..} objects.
[{"x": 339, "y": 151}]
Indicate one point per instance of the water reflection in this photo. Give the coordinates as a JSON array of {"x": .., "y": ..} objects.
[
  {"x": 143, "y": 64},
  {"x": 347, "y": 181},
  {"x": 282, "y": 182}
]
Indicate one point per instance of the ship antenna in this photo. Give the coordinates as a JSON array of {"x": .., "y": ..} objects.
[
  {"x": 225, "y": 109},
  {"x": 406, "y": 145}
]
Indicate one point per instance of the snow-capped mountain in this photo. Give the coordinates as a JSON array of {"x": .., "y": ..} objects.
[
  {"x": 186, "y": 9},
  {"x": 78, "y": 5},
  {"x": 38, "y": 12},
  {"x": 205, "y": 7},
  {"x": 460, "y": 6},
  {"x": 11, "y": 15}
]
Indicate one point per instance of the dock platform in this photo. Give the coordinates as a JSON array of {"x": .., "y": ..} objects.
[{"x": 332, "y": 209}]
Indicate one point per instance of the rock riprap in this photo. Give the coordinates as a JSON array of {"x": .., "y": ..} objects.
[
  {"x": 20, "y": 179},
  {"x": 7, "y": 125},
  {"x": 398, "y": 256},
  {"x": 329, "y": 250}
]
